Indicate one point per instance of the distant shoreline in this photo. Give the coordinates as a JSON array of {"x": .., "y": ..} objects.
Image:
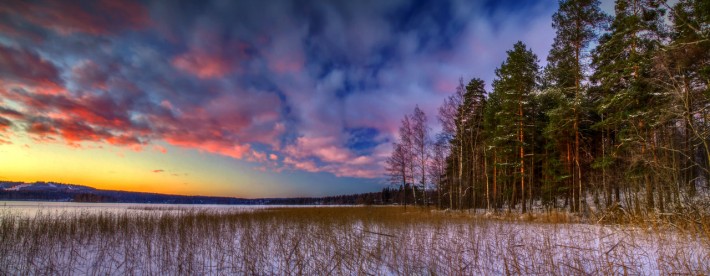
[{"x": 59, "y": 192}]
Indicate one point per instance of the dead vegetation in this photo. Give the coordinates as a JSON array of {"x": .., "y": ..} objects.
[{"x": 342, "y": 240}]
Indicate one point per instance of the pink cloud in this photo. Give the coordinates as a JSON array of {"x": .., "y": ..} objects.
[
  {"x": 166, "y": 104},
  {"x": 324, "y": 148},
  {"x": 202, "y": 65},
  {"x": 445, "y": 85},
  {"x": 286, "y": 65},
  {"x": 224, "y": 125},
  {"x": 336, "y": 159},
  {"x": 257, "y": 156},
  {"x": 332, "y": 154},
  {"x": 130, "y": 13},
  {"x": 306, "y": 165},
  {"x": 89, "y": 74},
  {"x": 353, "y": 171},
  {"x": 283, "y": 52}
]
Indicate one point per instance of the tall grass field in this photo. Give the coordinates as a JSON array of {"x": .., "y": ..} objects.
[{"x": 337, "y": 241}]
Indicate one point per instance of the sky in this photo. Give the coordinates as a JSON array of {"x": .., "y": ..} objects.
[{"x": 237, "y": 98}]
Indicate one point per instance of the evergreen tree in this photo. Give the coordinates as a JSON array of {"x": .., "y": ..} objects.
[
  {"x": 683, "y": 69},
  {"x": 471, "y": 114},
  {"x": 630, "y": 102},
  {"x": 516, "y": 80},
  {"x": 576, "y": 23},
  {"x": 491, "y": 132},
  {"x": 636, "y": 118}
]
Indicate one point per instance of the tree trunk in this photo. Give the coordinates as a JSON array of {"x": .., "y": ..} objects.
[
  {"x": 522, "y": 158},
  {"x": 495, "y": 180},
  {"x": 485, "y": 170}
]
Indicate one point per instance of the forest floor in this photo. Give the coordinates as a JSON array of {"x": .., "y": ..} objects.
[{"x": 341, "y": 240}]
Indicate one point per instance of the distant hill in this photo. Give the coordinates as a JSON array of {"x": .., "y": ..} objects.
[{"x": 52, "y": 191}]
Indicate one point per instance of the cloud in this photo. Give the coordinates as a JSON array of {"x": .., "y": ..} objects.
[
  {"x": 202, "y": 65},
  {"x": 317, "y": 86},
  {"x": 9, "y": 112},
  {"x": 67, "y": 17},
  {"x": 225, "y": 148},
  {"x": 160, "y": 148},
  {"x": 158, "y": 171},
  {"x": 4, "y": 124},
  {"x": 88, "y": 74},
  {"x": 22, "y": 66}
]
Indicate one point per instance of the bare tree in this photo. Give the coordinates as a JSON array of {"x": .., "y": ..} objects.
[
  {"x": 448, "y": 116},
  {"x": 396, "y": 166},
  {"x": 437, "y": 166},
  {"x": 420, "y": 140},
  {"x": 407, "y": 143}
]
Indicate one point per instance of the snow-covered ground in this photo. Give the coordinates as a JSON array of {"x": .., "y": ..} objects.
[
  {"x": 17, "y": 187},
  {"x": 256, "y": 240}
]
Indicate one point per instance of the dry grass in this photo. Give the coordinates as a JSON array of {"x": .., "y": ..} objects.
[{"x": 340, "y": 240}]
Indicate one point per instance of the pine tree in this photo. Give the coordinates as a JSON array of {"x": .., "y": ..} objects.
[
  {"x": 493, "y": 145},
  {"x": 630, "y": 101},
  {"x": 516, "y": 80},
  {"x": 576, "y": 23},
  {"x": 471, "y": 115},
  {"x": 683, "y": 69}
]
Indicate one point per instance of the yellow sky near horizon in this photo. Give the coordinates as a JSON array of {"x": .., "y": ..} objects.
[{"x": 117, "y": 168}]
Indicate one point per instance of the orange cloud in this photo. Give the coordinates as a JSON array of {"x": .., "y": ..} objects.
[
  {"x": 211, "y": 146},
  {"x": 160, "y": 148}
]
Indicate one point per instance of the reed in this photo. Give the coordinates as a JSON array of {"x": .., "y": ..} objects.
[{"x": 342, "y": 240}]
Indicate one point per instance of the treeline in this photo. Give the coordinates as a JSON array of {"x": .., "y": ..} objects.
[
  {"x": 618, "y": 118},
  {"x": 353, "y": 199},
  {"x": 103, "y": 196},
  {"x": 60, "y": 192}
]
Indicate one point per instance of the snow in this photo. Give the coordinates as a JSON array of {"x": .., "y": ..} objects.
[
  {"x": 17, "y": 187},
  {"x": 272, "y": 244}
]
